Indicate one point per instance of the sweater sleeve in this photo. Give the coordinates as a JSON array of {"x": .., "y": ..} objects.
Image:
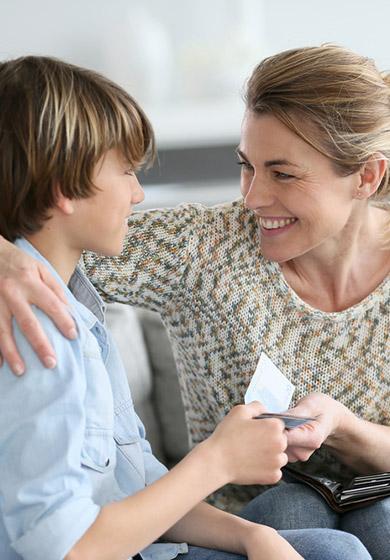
[{"x": 154, "y": 259}]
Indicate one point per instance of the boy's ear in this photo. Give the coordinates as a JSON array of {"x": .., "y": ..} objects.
[
  {"x": 64, "y": 204},
  {"x": 371, "y": 175}
]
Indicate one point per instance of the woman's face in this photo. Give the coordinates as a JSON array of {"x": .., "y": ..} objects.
[{"x": 301, "y": 203}]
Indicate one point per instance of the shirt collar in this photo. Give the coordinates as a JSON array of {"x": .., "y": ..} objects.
[{"x": 80, "y": 293}]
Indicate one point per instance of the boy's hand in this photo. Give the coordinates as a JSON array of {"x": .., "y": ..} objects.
[
  {"x": 25, "y": 282},
  {"x": 249, "y": 451}
]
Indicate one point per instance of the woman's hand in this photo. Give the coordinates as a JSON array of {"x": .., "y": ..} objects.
[
  {"x": 304, "y": 440},
  {"x": 24, "y": 282},
  {"x": 358, "y": 443}
]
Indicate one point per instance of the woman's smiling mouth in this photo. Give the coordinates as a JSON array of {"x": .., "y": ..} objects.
[
  {"x": 273, "y": 226},
  {"x": 276, "y": 223}
]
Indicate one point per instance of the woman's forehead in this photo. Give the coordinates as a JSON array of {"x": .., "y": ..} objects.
[
  {"x": 267, "y": 133},
  {"x": 266, "y": 141}
]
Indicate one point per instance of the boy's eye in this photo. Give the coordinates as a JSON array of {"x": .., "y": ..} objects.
[{"x": 245, "y": 165}]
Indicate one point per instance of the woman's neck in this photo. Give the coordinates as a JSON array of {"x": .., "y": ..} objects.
[{"x": 344, "y": 271}]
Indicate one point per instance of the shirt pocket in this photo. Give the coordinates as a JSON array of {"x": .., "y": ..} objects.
[
  {"x": 127, "y": 438},
  {"x": 98, "y": 452}
]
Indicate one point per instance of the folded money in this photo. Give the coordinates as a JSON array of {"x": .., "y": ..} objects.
[{"x": 289, "y": 420}]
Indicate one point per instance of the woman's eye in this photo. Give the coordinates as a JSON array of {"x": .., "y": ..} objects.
[{"x": 283, "y": 176}]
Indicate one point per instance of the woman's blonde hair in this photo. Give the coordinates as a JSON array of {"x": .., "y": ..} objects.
[
  {"x": 333, "y": 98},
  {"x": 56, "y": 122}
]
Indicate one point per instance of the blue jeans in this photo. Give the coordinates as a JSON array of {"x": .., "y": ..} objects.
[
  {"x": 293, "y": 506},
  {"x": 312, "y": 544}
]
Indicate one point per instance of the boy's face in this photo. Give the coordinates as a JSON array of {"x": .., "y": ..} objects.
[{"x": 102, "y": 218}]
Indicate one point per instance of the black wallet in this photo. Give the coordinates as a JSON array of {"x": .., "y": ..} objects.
[{"x": 360, "y": 491}]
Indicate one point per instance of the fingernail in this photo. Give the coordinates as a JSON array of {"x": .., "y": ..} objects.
[
  {"x": 50, "y": 362},
  {"x": 72, "y": 333},
  {"x": 18, "y": 369}
]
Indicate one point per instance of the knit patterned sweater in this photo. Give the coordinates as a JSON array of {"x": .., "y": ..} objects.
[{"x": 223, "y": 304}]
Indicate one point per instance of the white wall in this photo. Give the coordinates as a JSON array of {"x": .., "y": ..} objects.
[
  {"x": 362, "y": 25},
  {"x": 186, "y": 60}
]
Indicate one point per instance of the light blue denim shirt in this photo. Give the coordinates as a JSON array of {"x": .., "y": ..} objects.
[{"x": 70, "y": 440}]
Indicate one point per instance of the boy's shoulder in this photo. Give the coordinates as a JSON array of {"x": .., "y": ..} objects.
[{"x": 62, "y": 346}]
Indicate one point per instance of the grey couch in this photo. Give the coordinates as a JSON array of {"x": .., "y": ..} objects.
[{"x": 146, "y": 351}]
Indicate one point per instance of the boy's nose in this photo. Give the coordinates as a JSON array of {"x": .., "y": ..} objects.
[{"x": 138, "y": 194}]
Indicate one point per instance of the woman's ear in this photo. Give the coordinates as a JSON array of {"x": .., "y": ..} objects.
[{"x": 371, "y": 175}]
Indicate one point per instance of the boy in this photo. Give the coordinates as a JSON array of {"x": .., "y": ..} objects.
[{"x": 77, "y": 477}]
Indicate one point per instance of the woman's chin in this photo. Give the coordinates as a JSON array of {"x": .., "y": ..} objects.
[{"x": 278, "y": 255}]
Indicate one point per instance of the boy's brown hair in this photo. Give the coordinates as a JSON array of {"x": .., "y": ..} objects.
[{"x": 56, "y": 121}]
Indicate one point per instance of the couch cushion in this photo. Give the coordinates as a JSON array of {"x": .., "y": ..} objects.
[
  {"x": 166, "y": 390},
  {"x": 124, "y": 325}
]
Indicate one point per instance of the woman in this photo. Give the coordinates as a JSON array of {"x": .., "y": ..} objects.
[{"x": 298, "y": 269}]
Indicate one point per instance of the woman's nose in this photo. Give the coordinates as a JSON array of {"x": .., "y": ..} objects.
[{"x": 259, "y": 194}]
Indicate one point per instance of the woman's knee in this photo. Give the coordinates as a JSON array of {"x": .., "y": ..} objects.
[
  {"x": 345, "y": 545},
  {"x": 326, "y": 544},
  {"x": 291, "y": 506},
  {"x": 371, "y": 525}
]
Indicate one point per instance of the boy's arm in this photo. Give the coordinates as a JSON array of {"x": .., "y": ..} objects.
[
  {"x": 124, "y": 528},
  {"x": 209, "y": 527},
  {"x": 42, "y": 426}
]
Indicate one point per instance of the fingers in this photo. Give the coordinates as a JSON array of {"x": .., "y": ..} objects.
[
  {"x": 259, "y": 446},
  {"x": 27, "y": 283},
  {"x": 254, "y": 408},
  {"x": 8, "y": 349},
  {"x": 52, "y": 284},
  {"x": 284, "y": 459},
  {"x": 54, "y": 308},
  {"x": 47, "y": 296},
  {"x": 40, "y": 288},
  {"x": 32, "y": 330},
  {"x": 308, "y": 435},
  {"x": 302, "y": 455},
  {"x": 304, "y": 441}
]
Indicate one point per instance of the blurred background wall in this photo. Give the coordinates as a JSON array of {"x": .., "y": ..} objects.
[{"x": 186, "y": 62}]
